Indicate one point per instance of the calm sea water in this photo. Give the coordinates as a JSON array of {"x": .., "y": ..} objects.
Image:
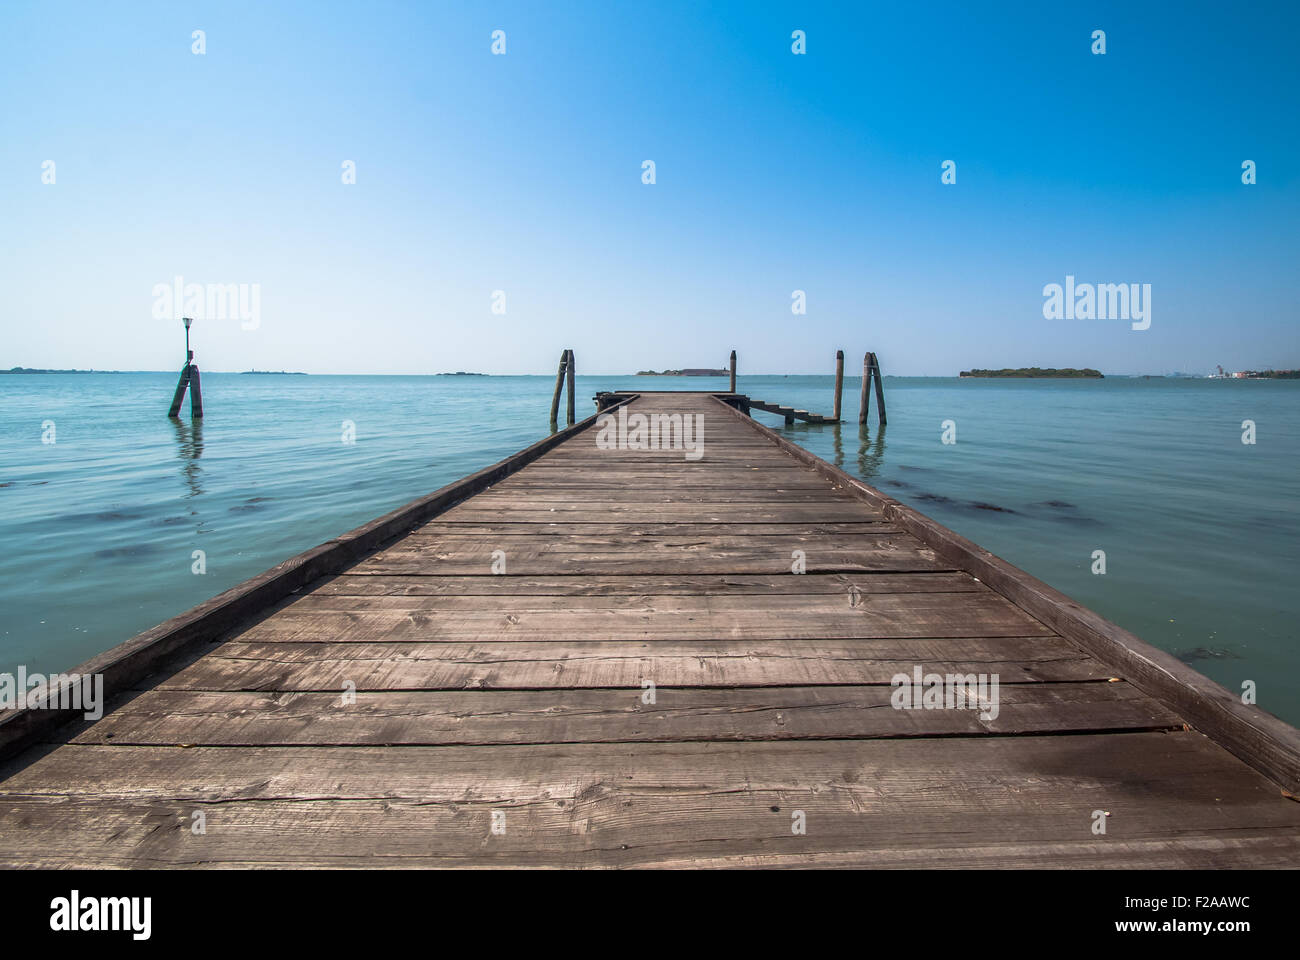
[{"x": 1201, "y": 532}]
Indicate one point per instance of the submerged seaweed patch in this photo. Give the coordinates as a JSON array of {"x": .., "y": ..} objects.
[
  {"x": 934, "y": 497},
  {"x": 1079, "y": 521},
  {"x": 1060, "y": 506},
  {"x": 981, "y": 505},
  {"x": 135, "y": 550},
  {"x": 1207, "y": 653}
]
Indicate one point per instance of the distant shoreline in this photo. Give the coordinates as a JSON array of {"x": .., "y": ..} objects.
[
  {"x": 25, "y": 370},
  {"x": 1036, "y": 373},
  {"x": 1263, "y": 375}
]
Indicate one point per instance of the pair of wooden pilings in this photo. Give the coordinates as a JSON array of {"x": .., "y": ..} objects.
[
  {"x": 870, "y": 371},
  {"x": 189, "y": 378},
  {"x": 565, "y": 372}
]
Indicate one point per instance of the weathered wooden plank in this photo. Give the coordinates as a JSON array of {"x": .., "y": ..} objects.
[
  {"x": 405, "y": 834},
  {"x": 785, "y": 469},
  {"x": 445, "y": 718},
  {"x": 521, "y": 664},
  {"x": 896, "y": 772},
  {"x": 754, "y": 554},
  {"x": 682, "y": 547},
  {"x": 625, "y": 804},
  {"x": 667, "y": 491},
  {"x": 599, "y": 460},
  {"x": 715, "y": 479},
  {"x": 563, "y": 619},
  {"x": 732, "y": 584},
  {"x": 663, "y": 511},
  {"x": 564, "y": 529}
]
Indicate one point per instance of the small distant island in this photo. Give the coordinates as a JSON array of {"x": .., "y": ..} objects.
[
  {"x": 462, "y": 373},
  {"x": 689, "y": 372},
  {"x": 35, "y": 370},
  {"x": 274, "y": 373},
  {"x": 1033, "y": 373}
]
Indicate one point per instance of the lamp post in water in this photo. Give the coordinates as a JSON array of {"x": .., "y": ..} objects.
[{"x": 190, "y": 379}]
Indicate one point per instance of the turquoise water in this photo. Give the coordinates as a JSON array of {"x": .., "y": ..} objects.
[{"x": 1201, "y": 532}]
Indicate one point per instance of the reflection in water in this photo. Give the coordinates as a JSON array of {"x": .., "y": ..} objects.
[
  {"x": 837, "y": 441},
  {"x": 189, "y": 441},
  {"x": 871, "y": 454}
]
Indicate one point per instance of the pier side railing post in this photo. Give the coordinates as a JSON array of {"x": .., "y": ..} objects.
[
  {"x": 569, "y": 373},
  {"x": 880, "y": 388},
  {"x": 839, "y": 383},
  {"x": 864, "y": 400},
  {"x": 559, "y": 386},
  {"x": 733, "y": 372}
]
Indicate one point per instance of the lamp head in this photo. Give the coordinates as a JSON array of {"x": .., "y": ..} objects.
[{"x": 187, "y": 321}]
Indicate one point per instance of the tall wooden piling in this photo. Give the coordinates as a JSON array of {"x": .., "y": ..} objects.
[
  {"x": 569, "y": 373},
  {"x": 865, "y": 399},
  {"x": 196, "y": 394},
  {"x": 839, "y": 383},
  {"x": 559, "y": 385},
  {"x": 880, "y": 387},
  {"x": 179, "y": 396},
  {"x": 733, "y": 371}
]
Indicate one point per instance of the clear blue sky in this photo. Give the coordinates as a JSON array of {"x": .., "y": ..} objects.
[{"x": 775, "y": 172}]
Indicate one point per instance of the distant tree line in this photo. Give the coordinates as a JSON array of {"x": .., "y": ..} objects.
[
  {"x": 1270, "y": 374},
  {"x": 1031, "y": 372}
]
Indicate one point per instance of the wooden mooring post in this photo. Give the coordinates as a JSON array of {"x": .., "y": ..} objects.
[
  {"x": 196, "y": 394},
  {"x": 865, "y": 399},
  {"x": 880, "y": 388},
  {"x": 569, "y": 373},
  {"x": 559, "y": 386},
  {"x": 870, "y": 369},
  {"x": 189, "y": 379},
  {"x": 179, "y": 396},
  {"x": 733, "y": 371},
  {"x": 839, "y": 383}
]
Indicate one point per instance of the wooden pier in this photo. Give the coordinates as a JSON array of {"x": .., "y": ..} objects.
[{"x": 603, "y": 657}]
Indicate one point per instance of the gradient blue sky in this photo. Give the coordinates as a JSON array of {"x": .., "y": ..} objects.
[{"x": 775, "y": 172}]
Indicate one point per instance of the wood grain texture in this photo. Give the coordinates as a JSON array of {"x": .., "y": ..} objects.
[
  {"x": 644, "y": 585},
  {"x": 1174, "y": 800},
  {"x": 703, "y": 619},
  {"x": 561, "y": 715},
  {"x": 521, "y": 664}
]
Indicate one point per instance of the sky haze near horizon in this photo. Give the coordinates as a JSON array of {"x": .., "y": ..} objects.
[{"x": 775, "y": 172}]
